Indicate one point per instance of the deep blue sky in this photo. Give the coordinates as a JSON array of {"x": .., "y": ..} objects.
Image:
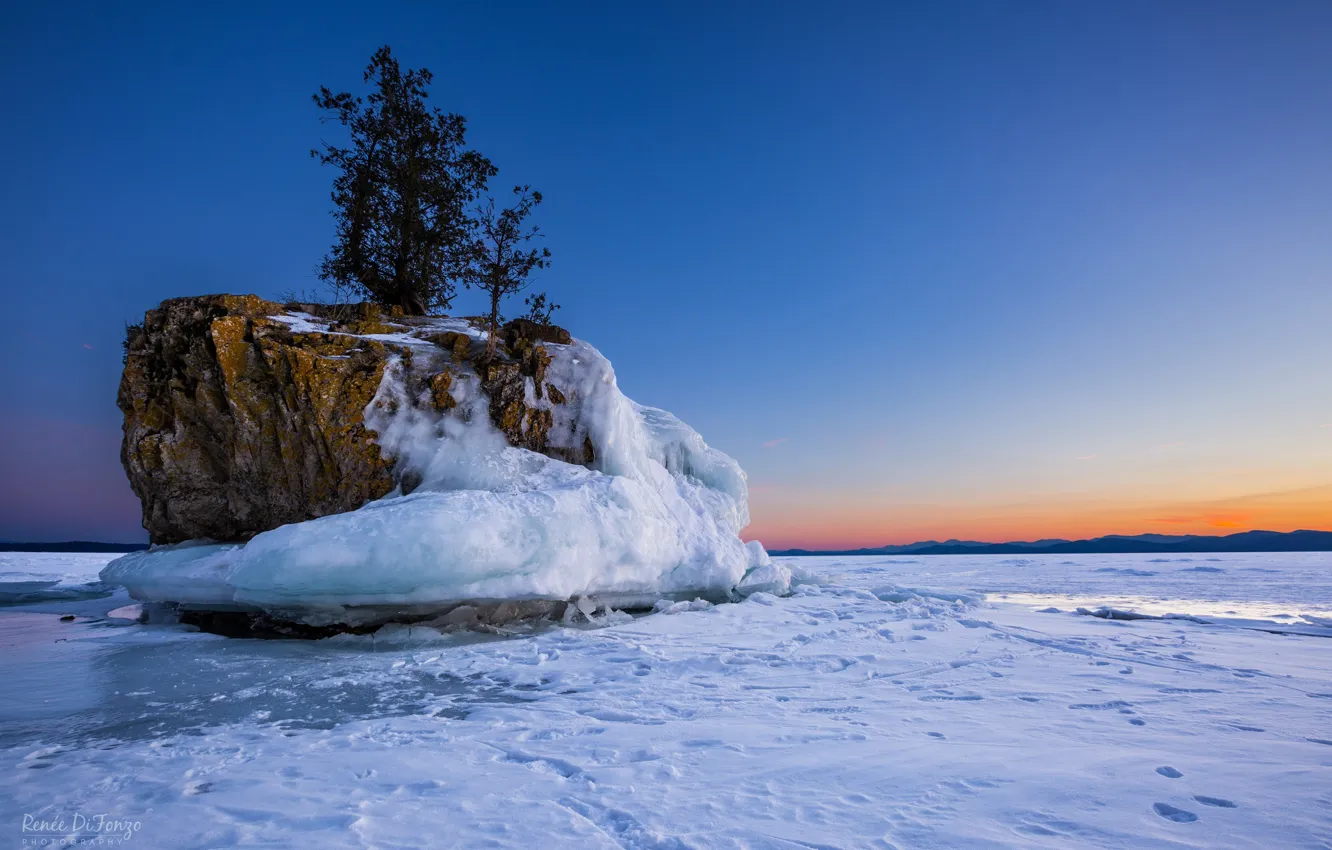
[{"x": 991, "y": 269}]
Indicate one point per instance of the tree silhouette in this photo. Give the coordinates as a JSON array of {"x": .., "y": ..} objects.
[
  {"x": 402, "y": 194},
  {"x": 502, "y": 259}
]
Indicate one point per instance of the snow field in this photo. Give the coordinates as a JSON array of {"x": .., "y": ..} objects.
[{"x": 855, "y": 713}]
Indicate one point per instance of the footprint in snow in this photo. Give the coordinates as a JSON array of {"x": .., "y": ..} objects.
[
  {"x": 1100, "y": 706},
  {"x": 1169, "y": 772},
  {"x": 1169, "y": 812},
  {"x": 1218, "y": 802}
]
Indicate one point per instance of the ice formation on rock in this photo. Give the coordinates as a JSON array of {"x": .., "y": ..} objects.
[{"x": 655, "y": 513}]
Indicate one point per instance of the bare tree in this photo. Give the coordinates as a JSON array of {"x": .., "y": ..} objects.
[
  {"x": 540, "y": 309},
  {"x": 502, "y": 254}
]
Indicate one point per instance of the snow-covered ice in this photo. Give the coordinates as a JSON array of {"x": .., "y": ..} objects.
[
  {"x": 658, "y": 512},
  {"x": 31, "y": 576},
  {"x": 895, "y": 702}
]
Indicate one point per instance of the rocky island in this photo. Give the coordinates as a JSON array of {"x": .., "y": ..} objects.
[{"x": 346, "y": 465}]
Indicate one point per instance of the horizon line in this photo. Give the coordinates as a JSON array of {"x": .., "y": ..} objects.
[{"x": 945, "y": 542}]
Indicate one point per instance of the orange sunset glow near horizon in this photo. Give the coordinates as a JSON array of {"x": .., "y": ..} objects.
[{"x": 782, "y": 522}]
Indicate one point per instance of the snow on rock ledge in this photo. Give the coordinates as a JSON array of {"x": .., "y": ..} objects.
[{"x": 529, "y": 478}]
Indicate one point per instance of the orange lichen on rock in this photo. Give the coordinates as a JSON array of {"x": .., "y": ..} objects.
[{"x": 237, "y": 423}]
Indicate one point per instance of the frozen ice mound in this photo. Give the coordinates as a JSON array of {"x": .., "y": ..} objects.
[{"x": 656, "y": 514}]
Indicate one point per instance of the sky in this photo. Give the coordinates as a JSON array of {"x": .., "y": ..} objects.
[{"x": 927, "y": 270}]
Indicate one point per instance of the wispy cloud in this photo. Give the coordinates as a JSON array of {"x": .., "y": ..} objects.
[
  {"x": 88, "y": 346},
  {"x": 1084, "y": 457},
  {"x": 1326, "y": 425},
  {"x": 777, "y": 442}
]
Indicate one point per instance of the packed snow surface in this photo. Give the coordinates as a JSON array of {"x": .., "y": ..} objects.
[
  {"x": 32, "y": 576},
  {"x": 895, "y": 702},
  {"x": 659, "y": 512}
]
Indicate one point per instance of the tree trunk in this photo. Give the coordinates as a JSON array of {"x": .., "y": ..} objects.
[
  {"x": 412, "y": 304},
  {"x": 494, "y": 325}
]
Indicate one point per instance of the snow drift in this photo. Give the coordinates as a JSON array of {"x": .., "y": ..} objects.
[{"x": 656, "y": 513}]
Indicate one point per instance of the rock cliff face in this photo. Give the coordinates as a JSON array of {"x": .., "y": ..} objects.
[{"x": 242, "y": 415}]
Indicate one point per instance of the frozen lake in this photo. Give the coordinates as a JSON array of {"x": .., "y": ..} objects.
[
  {"x": 1279, "y": 586},
  {"x": 887, "y": 705}
]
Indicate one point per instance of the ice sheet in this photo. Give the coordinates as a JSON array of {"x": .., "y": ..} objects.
[{"x": 854, "y": 713}]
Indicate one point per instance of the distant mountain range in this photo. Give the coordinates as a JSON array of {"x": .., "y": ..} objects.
[
  {"x": 71, "y": 546},
  {"x": 1246, "y": 541}
]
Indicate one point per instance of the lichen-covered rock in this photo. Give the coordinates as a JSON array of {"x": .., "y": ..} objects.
[
  {"x": 234, "y": 424},
  {"x": 526, "y": 329},
  {"x": 242, "y": 415},
  {"x": 440, "y": 384}
]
